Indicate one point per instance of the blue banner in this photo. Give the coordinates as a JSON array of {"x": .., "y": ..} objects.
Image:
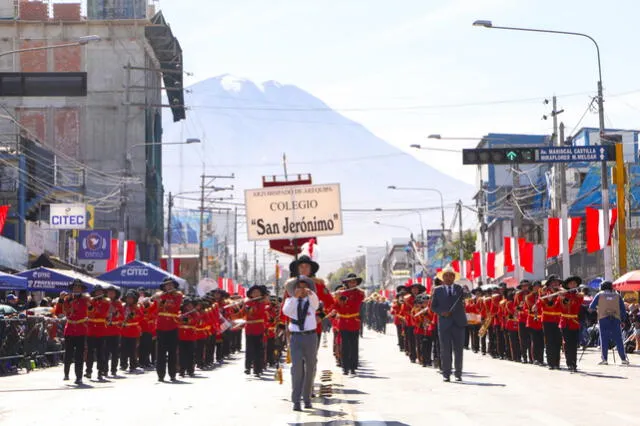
[
  {"x": 12, "y": 282},
  {"x": 94, "y": 244},
  {"x": 50, "y": 280}
]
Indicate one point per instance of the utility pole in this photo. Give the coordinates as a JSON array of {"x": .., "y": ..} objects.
[
  {"x": 517, "y": 223},
  {"x": 462, "y": 268},
  {"x": 483, "y": 228},
  {"x": 604, "y": 170},
  {"x": 255, "y": 264},
  {"x": 235, "y": 246},
  {"x": 169, "y": 235},
  {"x": 564, "y": 244},
  {"x": 264, "y": 266},
  {"x": 206, "y": 184},
  {"x": 555, "y": 141},
  {"x": 124, "y": 204}
]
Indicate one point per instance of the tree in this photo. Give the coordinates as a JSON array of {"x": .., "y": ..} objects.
[
  {"x": 452, "y": 248},
  {"x": 356, "y": 266}
]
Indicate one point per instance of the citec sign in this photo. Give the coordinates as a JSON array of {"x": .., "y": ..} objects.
[{"x": 68, "y": 216}]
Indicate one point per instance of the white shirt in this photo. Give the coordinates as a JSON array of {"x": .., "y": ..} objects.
[{"x": 290, "y": 309}]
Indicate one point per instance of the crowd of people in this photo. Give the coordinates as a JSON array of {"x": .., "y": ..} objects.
[{"x": 533, "y": 323}]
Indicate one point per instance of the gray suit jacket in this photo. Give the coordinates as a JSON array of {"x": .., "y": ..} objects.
[{"x": 441, "y": 302}]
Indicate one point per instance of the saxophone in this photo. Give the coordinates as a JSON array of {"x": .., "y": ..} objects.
[{"x": 485, "y": 326}]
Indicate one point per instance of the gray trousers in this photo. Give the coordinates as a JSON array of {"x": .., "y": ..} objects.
[
  {"x": 303, "y": 365},
  {"x": 451, "y": 341}
]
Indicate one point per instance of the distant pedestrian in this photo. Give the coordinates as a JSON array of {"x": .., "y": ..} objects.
[{"x": 611, "y": 312}]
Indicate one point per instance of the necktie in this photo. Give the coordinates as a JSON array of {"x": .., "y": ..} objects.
[
  {"x": 450, "y": 290},
  {"x": 301, "y": 314}
]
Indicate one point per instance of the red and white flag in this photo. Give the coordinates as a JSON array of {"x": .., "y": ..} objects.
[
  {"x": 226, "y": 284},
  {"x": 596, "y": 229},
  {"x": 555, "y": 242},
  {"x": 491, "y": 265},
  {"x": 129, "y": 251}
]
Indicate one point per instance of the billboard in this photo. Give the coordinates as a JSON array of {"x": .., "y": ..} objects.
[
  {"x": 434, "y": 246},
  {"x": 67, "y": 216},
  {"x": 293, "y": 212},
  {"x": 94, "y": 245},
  {"x": 185, "y": 231}
]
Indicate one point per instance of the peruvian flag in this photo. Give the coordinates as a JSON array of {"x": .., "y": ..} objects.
[
  {"x": 468, "y": 270},
  {"x": 429, "y": 284},
  {"x": 491, "y": 264},
  {"x": 525, "y": 251},
  {"x": 242, "y": 292},
  {"x": 226, "y": 284},
  {"x": 112, "y": 262},
  {"x": 4, "y": 211},
  {"x": 129, "y": 251},
  {"x": 509, "y": 251},
  {"x": 477, "y": 262},
  {"x": 596, "y": 229},
  {"x": 555, "y": 240},
  {"x": 456, "y": 265}
]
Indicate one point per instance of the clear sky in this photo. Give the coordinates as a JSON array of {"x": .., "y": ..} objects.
[{"x": 409, "y": 68}]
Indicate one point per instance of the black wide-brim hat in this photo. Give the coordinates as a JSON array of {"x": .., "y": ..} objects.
[
  {"x": 421, "y": 288},
  {"x": 574, "y": 278},
  {"x": 352, "y": 277},
  {"x": 523, "y": 283},
  {"x": 293, "y": 266},
  {"x": 400, "y": 289},
  {"x": 132, "y": 293},
  {"x": 116, "y": 289},
  {"x": 166, "y": 281},
  {"x": 290, "y": 285},
  {"x": 552, "y": 278},
  {"x": 262, "y": 289},
  {"x": 78, "y": 282}
]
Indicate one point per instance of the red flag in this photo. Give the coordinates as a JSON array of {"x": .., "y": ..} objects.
[
  {"x": 468, "y": 270},
  {"x": 491, "y": 265},
  {"x": 508, "y": 256},
  {"x": 112, "y": 263},
  {"x": 575, "y": 226},
  {"x": 528, "y": 252},
  {"x": 593, "y": 230},
  {"x": 429, "y": 284},
  {"x": 231, "y": 288},
  {"x": 553, "y": 237},
  {"x": 477, "y": 262},
  {"x": 613, "y": 218},
  {"x": 163, "y": 264},
  {"x": 4, "y": 211},
  {"x": 522, "y": 255},
  {"x": 129, "y": 251},
  {"x": 456, "y": 265},
  {"x": 242, "y": 292}
]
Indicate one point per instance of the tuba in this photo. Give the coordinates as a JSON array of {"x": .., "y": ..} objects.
[{"x": 485, "y": 326}]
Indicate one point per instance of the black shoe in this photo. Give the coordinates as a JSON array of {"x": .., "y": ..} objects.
[
  {"x": 173, "y": 379},
  {"x": 247, "y": 371},
  {"x": 353, "y": 372},
  {"x": 345, "y": 372},
  {"x": 88, "y": 376},
  {"x": 308, "y": 405},
  {"x": 161, "y": 379},
  {"x": 446, "y": 378},
  {"x": 296, "y": 407},
  {"x": 66, "y": 378},
  {"x": 458, "y": 378},
  {"x": 78, "y": 381}
]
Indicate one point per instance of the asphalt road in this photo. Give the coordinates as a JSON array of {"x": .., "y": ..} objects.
[{"x": 387, "y": 391}]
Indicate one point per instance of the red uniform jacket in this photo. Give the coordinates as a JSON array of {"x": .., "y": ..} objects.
[
  {"x": 98, "y": 311},
  {"x": 519, "y": 301},
  {"x": 511, "y": 317},
  {"x": 168, "y": 310},
  {"x": 256, "y": 317},
  {"x": 187, "y": 327},
  {"x": 405, "y": 310},
  {"x": 114, "y": 318},
  {"x": 550, "y": 310},
  {"x": 395, "y": 311},
  {"x": 496, "y": 311},
  {"x": 419, "y": 321},
  {"x": 150, "y": 316},
  {"x": 534, "y": 321},
  {"x": 349, "y": 309},
  {"x": 133, "y": 317},
  {"x": 569, "y": 306},
  {"x": 76, "y": 309}
]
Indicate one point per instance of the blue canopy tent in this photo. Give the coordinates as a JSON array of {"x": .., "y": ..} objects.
[
  {"x": 54, "y": 280},
  {"x": 137, "y": 274},
  {"x": 594, "y": 284},
  {"x": 12, "y": 282}
]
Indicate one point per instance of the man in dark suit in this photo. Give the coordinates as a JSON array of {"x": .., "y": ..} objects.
[{"x": 447, "y": 303}]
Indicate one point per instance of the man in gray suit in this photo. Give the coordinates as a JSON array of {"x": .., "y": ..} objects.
[{"x": 447, "y": 301}]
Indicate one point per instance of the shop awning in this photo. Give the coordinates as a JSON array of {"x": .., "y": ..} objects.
[
  {"x": 139, "y": 274},
  {"x": 12, "y": 282},
  {"x": 53, "y": 280},
  {"x": 628, "y": 282}
]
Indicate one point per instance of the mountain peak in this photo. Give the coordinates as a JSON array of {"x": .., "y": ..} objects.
[{"x": 232, "y": 83}]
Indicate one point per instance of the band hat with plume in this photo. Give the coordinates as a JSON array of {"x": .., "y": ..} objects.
[
  {"x": 448, "y": 270},
  {"x": 290, "y": 285}
]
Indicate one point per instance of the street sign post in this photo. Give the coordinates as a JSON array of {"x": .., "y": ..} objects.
[{"x": 532, "y": 155}]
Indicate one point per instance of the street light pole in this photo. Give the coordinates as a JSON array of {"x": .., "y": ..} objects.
[{"x": 608, "y": 273}]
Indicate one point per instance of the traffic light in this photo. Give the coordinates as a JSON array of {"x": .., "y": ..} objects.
[{"x": 499, "y": 155}]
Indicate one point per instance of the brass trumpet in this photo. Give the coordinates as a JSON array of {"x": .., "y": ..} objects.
[{"x": 485, "y": 326}]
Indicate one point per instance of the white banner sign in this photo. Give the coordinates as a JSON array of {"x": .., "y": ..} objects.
[
  {"x": 68, "y": 216},
  {"x": 288, "y": 212}
]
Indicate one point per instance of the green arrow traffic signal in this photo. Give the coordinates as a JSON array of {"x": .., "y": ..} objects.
[{"x": 511, "y": 155}]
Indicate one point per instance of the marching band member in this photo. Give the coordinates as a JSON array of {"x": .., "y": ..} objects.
[
  {"x": 550, "y": 320},
  {"x": 396, "y": 308},
  {"x": 569, "y": 304},
  {"x": 534, "y": 324},
  {"x": 200, "y": 332},
  {"x": 473, "y": 319},
  {"x": 131, "y": 331},
  {"x": 75, "y": 307},
  {"x": 511, "y": 325},
  {"x": 98, "y": 311},
  {"x": 407, "y": 306},
  {"x": 524, "y": 337},
  {"x": 496, "y": 339},
  {"x": 187, "y": 323},
  {"x": 112, "y": 331},
  {"x": 169, "y": 303},
  {"x": 147, "y": 353},
  {"x": 337, "y": 339},
  {"x": 255, "y": 312},
  {"x": 347, "y": 307},
  {"x": 421, "y": 320},
  {"x": 273, "y": 311},
  {"x": 219, "y": 297}
]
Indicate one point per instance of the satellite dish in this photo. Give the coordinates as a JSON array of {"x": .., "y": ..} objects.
[{"x": 205, "y": 286}]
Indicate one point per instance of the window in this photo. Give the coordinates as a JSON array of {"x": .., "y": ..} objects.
[{"x": 43, "y": 84}]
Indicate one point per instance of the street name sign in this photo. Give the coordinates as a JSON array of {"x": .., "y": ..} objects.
[
  {"x": 572, "y": 154},
  {"x": 532, "y": 155}
]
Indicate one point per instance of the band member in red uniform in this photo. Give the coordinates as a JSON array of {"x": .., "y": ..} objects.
[
  {"x": 524, "y": 337},
  {"x": 131, "y": 331},
  {"x": 511, "y": 325},
  {"x": 187, "y": 338},
  {"x": 255, "y": 311},
  {"x": 472, "y": 310},
  {"x": 347, "y": 308},
  {"x": 534, "y": 324},
  {"x": 396, "y": 308},
  {"x": 169, "y": 302},
  {"x": 148, "y": 336},
  {"x": 421, "y": 323},
  {"x": 337, "y": 339},
  {"x": 113, "y": 329},
  {"x": 219, "y": 296},
  {"x": 97, "y": 325},
  {"x": 570, "y": 303},
  {"x": 76, "y": 309},
  {"x": 550, "y": 320}
]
